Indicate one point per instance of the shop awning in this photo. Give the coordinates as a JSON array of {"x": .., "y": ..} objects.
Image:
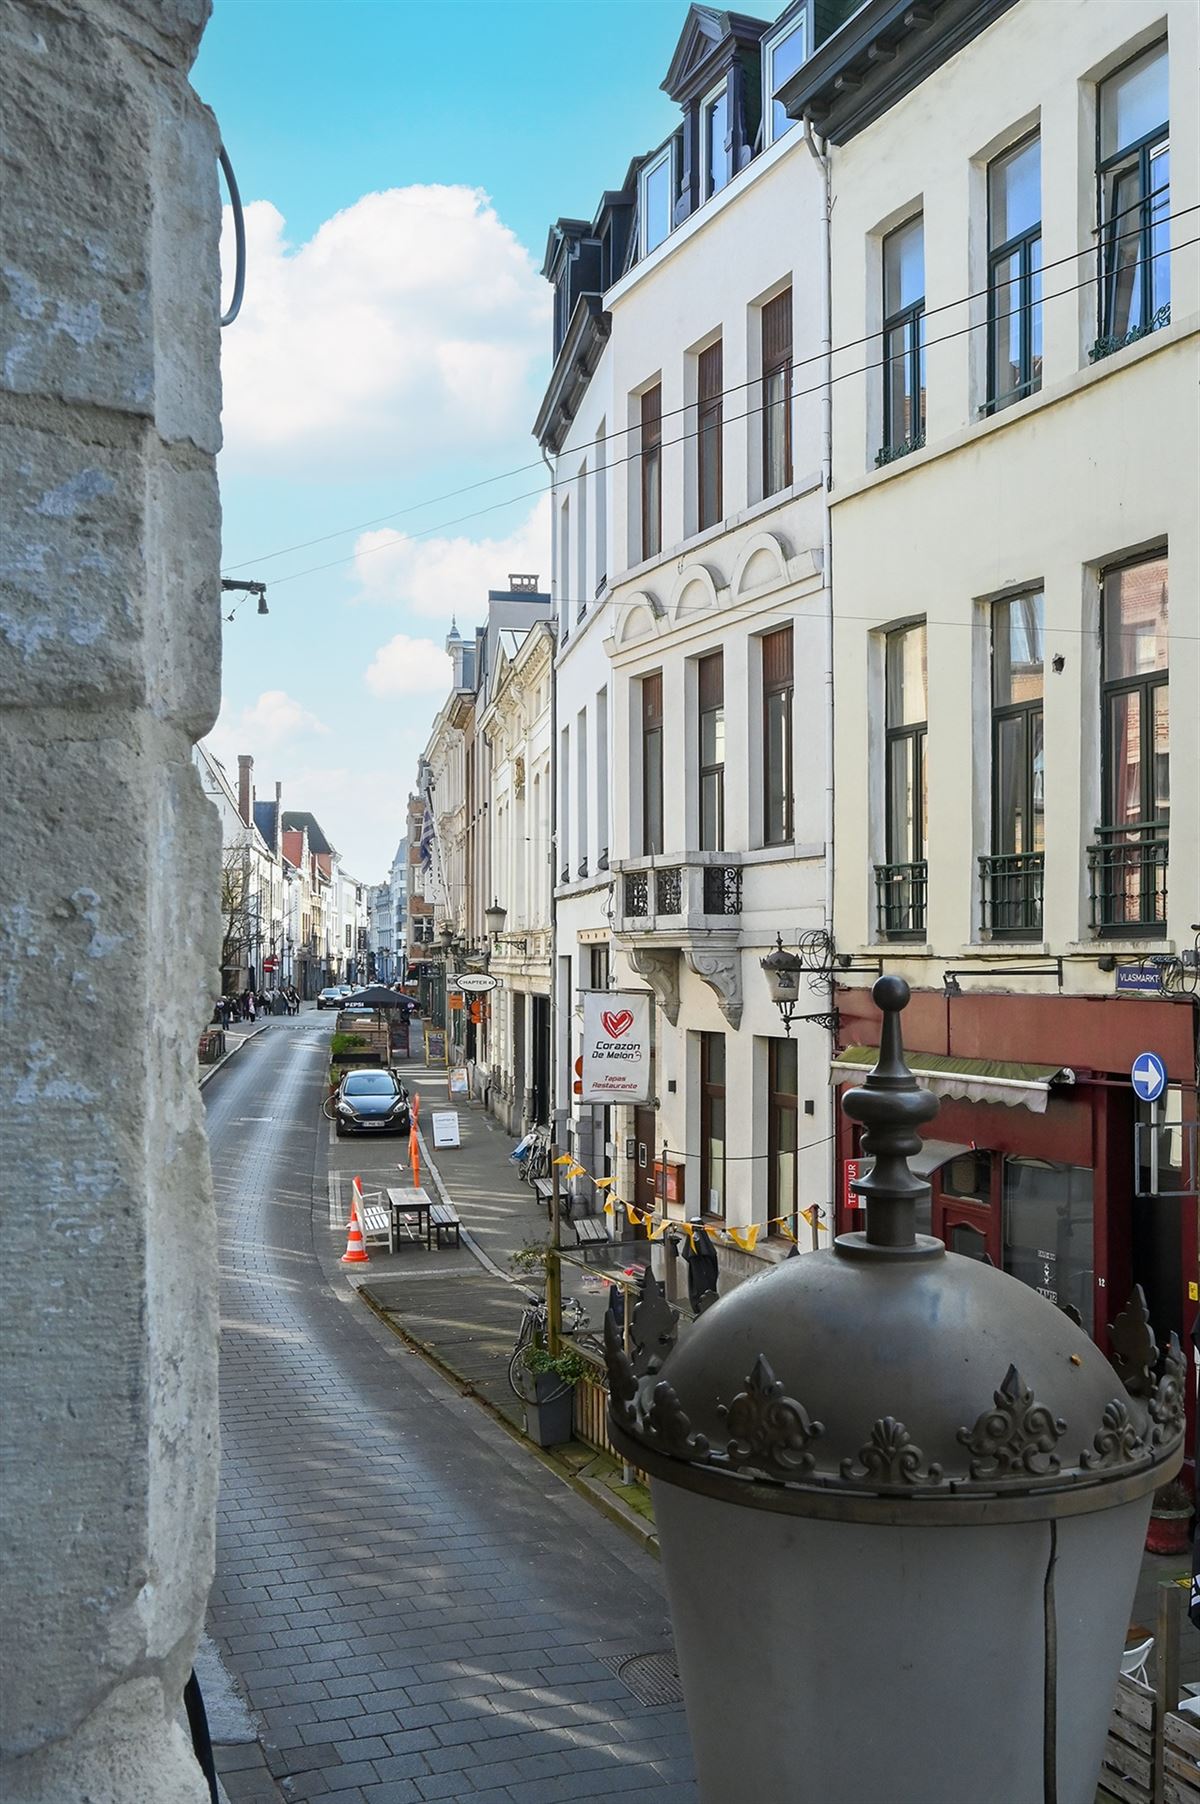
[
  {"x": 970, "y": 1080},
  {"x": 934, "y": 1154}
]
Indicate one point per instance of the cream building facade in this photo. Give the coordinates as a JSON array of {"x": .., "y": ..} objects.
[{"x": 1015, "y": 555}]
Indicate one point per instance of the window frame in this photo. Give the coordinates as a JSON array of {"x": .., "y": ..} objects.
[
  {"x": 712, "y": 1092},
  {"x": 780, "y": 1102},
  {"x": 649, "y": 167},
  {"x": 1011, "y": 899},
  {"x": 1144, "y": 684},
  {"x": 778, "y": 365},
  {"x": 1022, "y": 245},
  {"x": 652, "y": 733},
  {"x": 710, "y": 433},
  {"x": 1139, "y": 154},
  {"x": 798, "y": 20},
  {"x": 714, "y": 770},
  {"x": 710, "y": 100},
  {"x": 771, "y": 688},
  {"x": 650, "y": 459},
  {"x": 909, "y": 319}
]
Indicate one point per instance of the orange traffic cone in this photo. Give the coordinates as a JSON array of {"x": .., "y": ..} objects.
[{"x": 356, "y": 1252}]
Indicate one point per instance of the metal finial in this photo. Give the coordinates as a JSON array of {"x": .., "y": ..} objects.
[{"x": 890, "y": 1104}]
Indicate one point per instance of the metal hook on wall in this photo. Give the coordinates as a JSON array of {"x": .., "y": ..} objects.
[{"x": 239, "y": 237}]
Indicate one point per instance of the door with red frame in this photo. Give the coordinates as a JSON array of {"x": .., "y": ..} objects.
[{"x": 966, "y": 1208}]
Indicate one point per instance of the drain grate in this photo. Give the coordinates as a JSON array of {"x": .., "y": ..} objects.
[{"x": 652, "y": 1678}]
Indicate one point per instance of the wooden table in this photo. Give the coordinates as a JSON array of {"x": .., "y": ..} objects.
[{"x": 410, "y": 1210}]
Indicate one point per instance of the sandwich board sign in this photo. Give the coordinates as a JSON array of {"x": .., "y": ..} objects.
[
  {"x": 445, "y": 1127},
  {"x": 616, "y": 1059}
]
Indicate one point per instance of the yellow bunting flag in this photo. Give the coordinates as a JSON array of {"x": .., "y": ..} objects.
[
  {"x": 610, "y": 1207},
  {"x": 686, "y": 1227},
  {"x": 576, "y": 1171},
  {"x": 745, "y": 1237},
  {"x": 564, "y": 1159},
  {"x": 602, "y": 1183},
  {"x": 812, "y": 1216},
  {"x": 658, "y": 1227},
  {"x": 786, "y": 1231}
]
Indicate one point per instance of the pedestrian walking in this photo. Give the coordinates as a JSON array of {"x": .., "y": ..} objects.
[{"x": 249, "y": 1005}]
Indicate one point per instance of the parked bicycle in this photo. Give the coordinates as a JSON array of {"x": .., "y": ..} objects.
[
  {"x": 534, "y": 1330},
  {"x": 531, "y": 1155}
]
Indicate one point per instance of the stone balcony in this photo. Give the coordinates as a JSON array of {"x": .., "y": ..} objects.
[{"x": 684, "y": 906}]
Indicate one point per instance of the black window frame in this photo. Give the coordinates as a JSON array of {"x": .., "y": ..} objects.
[
  {"x": 1116, "y": 226},
  {"x": 1022, "y": 244},
  {"x": 1013, "y": 877},
  {"x": 911, "y": 321},
  {"x": 1140, "y": 845},
  {"x": 901, "y": 883}
]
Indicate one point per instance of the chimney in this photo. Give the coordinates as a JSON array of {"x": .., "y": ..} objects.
[{"x": 246, "y": 787}]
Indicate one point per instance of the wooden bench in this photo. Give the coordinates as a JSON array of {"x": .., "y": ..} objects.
[
  {"x": 543, "y": 1189},
  {"x": 444, "y": 1220},
  {"x": 590, "y": 1231}
]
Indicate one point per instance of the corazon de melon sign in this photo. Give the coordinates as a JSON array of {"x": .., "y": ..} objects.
[{"x": 616, "y": 1047}]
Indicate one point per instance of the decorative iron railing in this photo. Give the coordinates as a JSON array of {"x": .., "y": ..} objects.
[
  {"x": 1011, "y": 893},
  {"x": 637, "y": 893},
  {"x": 901, "y": 893},
  {"x": 1128, "y": 867},
  {"x": 722, "y": 889},
  {"x": 668, "y": 890}
]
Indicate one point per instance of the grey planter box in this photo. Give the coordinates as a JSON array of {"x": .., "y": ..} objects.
[{"x": 549, "y": 1420}]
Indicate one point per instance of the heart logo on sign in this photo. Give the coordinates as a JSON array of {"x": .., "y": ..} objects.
[{"x": 618, "y": 1024}]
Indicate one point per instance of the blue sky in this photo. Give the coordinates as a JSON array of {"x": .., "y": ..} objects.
[{"x": 400, "y": 165}]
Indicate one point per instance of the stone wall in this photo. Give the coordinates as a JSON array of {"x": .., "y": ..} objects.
[{"x": 109, "y": 669}]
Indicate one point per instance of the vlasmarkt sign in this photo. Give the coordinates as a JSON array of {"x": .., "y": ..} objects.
[{"x": 616, "y": 1047}]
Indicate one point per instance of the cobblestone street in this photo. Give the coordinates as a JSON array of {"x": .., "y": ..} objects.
[{"x": 414, "y": 1607}]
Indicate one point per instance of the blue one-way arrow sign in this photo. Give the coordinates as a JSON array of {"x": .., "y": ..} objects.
[{"x": 1148, "y": 1076}]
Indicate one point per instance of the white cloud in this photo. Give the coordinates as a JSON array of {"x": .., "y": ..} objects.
[
  {"x": 407, "y": 666},
  {"x": 274, "y": 720},
  {"x": 438, "y": 577},
  {"x": 411, "y": 323}
]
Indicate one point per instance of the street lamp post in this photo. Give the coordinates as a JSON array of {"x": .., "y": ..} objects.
[{"x": 901, "y": 1500}]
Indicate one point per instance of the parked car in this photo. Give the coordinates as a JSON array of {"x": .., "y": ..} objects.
[
  {"x": 371, "y": 1102},
  {"x": 331, "y": 997}
]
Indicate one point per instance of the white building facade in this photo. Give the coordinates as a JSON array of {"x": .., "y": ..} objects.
[
  {"x": 714, "y": 616},
  {"x": 1017, "y": 633}
]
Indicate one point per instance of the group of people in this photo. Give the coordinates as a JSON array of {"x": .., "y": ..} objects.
[{"x": 253, "y": 1003}]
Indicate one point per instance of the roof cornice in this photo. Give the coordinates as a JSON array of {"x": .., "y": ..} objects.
[
  {"x": 574, "y": 367},
  {"x": 882, "y": 52}
]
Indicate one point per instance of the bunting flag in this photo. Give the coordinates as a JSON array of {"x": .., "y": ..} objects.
[
  {"x": 576, "y": 1171},
  {"x": 610, "y": 1208},
  {"x": 602, "y": 1183},
  {"x": 744, "y": 1237},
  {"x": 688, "y": 1228},
  {"x": 787, "y": 1232},
  {"x": 564, "y": 1159}
]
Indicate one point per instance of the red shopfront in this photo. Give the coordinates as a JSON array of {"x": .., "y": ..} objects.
[{"x": 1043, "y": 1182}]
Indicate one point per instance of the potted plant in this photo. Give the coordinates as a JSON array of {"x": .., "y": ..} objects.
[
  {"x": 1170, "y": 1515},
  {"x": 549, "y": 1393}
]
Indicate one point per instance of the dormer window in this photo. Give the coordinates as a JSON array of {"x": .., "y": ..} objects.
[
  {"x": 654, "y": 200},
  {"x": 782, "y": 54},
  {"x": 714, "y": 141}
]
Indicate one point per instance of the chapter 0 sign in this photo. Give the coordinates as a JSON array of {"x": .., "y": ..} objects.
[{"x": 616, "y": 1047}]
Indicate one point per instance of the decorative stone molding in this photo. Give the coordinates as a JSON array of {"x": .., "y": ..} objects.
[
  {"x": 660, "y": 968},
  {"x": 722, "y": 972}
]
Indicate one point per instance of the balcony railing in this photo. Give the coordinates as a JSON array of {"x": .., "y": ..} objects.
[
  {"x": 1011, "y": 891},
  {"x": 687, "y": 893},
  {"x": 722, "y": 889},
  {"x": 1128, "y": 868},
  {"x": 668, "y": 890},
  {"x": 901, "y": 892}
]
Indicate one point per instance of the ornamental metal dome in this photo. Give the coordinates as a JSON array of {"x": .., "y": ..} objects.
[{"x": 879, "y": 1381}]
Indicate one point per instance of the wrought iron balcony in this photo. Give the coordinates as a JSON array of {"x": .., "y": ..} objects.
[
  {"x": 901, "y": 893},
  {"x": 1128, "y": 868},
  {"x": 1011, "y": 891},
  {"x": 674, "y": 898},
  {"x": 722, "y": 889}
]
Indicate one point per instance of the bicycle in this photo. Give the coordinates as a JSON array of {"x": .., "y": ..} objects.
[
  {"x": 534, "y": 1162},
  {"x": 534, "y": 1330}
]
